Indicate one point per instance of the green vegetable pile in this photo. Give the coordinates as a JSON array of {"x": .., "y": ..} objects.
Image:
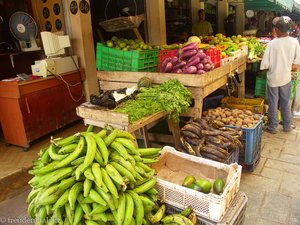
[
  {"x": 171, "y": 97},
  {"x": 256, "y": 49}
]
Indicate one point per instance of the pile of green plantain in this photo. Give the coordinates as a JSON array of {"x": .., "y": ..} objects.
[
  {"x": 94, "y": 178},
  {"x": 208, "y": 140}
]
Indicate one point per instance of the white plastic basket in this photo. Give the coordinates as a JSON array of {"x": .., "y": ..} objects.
[{"x": 211, "y": 206}]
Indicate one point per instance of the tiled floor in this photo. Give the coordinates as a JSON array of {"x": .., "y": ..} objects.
[{"x": 272, "y": 189}]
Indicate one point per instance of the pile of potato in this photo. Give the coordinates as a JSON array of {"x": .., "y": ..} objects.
[{"x": 234, "y": 117}]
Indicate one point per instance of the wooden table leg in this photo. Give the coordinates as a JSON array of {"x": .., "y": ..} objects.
[
  {"x": 241, "y": 89},
  {"x": 175, "y": 129},
  {"x": 145, "y": 136}
]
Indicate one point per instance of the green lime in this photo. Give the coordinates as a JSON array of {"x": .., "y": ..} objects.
[
  {"x": 110, "y": 44},
  {"x": 194, "y": 187}
]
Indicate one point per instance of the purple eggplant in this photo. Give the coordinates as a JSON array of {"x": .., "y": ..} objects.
[
  {"x": 193, "y": 61},
  {"x": 199, "y": 66},
  {"x": 178, "y": 70},
  {"x": 200, "y": 71},
  {"x": 164, "y": 63},
  {"x": 205, "y": 60},
  {"x": 191, "y": 46},
  {"x": 174, "y": 60},
  {"x": 189, "y": 70},
  {"x": 188, "y": 54},
  {"x": 168, "y": 67},
  {"x": 207, "y": 67},
  {"x": 179, "y": 65},
  {"x": 202, "y": 55}
]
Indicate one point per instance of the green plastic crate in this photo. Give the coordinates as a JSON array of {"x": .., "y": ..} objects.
[
  {"x": 260, "y": 85},
  {"x": 110, "y": 59}
]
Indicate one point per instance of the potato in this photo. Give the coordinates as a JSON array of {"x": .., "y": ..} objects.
[{"x": 248, "y": 112}]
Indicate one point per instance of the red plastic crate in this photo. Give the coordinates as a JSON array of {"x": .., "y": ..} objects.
[
  {"x": 162, "y": 54},
  {"x": 215, "y": 56}
]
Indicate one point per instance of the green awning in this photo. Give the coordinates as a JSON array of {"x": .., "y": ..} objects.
[{"x": 269, "y": 5}]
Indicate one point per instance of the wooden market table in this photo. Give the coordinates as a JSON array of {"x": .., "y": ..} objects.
[{"x": 199, "y": 85}]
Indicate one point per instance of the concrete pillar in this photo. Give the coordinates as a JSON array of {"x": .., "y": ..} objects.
[
  {"x": 222, "y": 12},
  {"x": 156, "y": 22},
  {"x": 240, "y": 18},
  {"x": 79, "y": 27}
]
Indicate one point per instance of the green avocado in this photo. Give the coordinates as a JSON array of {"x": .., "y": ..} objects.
[
  {"x": 204, "y": 184},
  {"x": 194, "y": 187},
  {"x": 188, "y": 180},
  {"x": 218, "y": 186}
]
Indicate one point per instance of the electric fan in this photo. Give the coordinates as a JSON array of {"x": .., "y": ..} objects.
[{"x": 24, "y": 28}]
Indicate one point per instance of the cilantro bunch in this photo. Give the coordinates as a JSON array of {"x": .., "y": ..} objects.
[{"x": 171, "y": 97}]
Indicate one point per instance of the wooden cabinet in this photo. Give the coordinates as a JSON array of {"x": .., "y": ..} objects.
[{"x": 31, "y": 109}]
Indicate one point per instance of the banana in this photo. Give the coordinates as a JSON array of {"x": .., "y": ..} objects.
[
  {"x": 102, "y": 147},
  {"x": 77, "y": 215},
  {"x": 90, "y": 128},
  {"x": 53, "y": 154},
  {"x": 78, "y": 161},
  {"x": 148, "y": 151},
  {"x": 144, "y": 166},
  {"x": 62, "y": 200},
  {"x": 123, "y": 171},
  {"x": 141, "y": 171},
  {"x": 146, "y": 222},
  {"x": 149, "y": 160},
  {"x": 97, "y": 217},
  {"x": 66, "y": 184},
  {"x": 138, "y": 207},
  {"x": 67, "y": 149},
  {"x": 91, "y": 222},
  {"x": 69, "y": 212},
  {"x": 32, "y": 209},
  {"x": 85, "y": 207},
  {"x": 119, "y": 159},
  {"x": 98, "y": 177},
  {"x": 116, "y": 176},
  {"x": 131, "y": 160},
  {"x": 87, "y": 200},
  {"x": 128, "y": 209},
  {"x": 87, "y": 185},
  {"x": 158, "y": 215},
  {"x": 67, "y": 222},
  {"x": 78, "y": 171},
  {"x": 99, "y": 158},
  {"x": 145, "y": 186},
  {"x": 74, "y": 191},
  {"x": 109, "y": 183},
  {"x": 125, "y": 134},
  {"x": 152, "y": 191},
  {"x": 186, "y": 212},
  {"x": 110, "y": 217},
  {"x": 91, "y": 150},
  {"x": 57, "y": 215},
  {"x": 99, "y": 209},
  {"x": 116, "y": 201},
  {"x": 45, "y": 158},
  {"x": 120, "y": 149},
  {"x": 65, "y": 141},
  {"x": 66, "y": 161},
  {"x": 95, "y": 196},
  {"x": 193, "y": 217},
  {"x": 102, "y": 133},
  {"x": 137, "y": 158},
  {"x": 89, "y": 174},
  {"x": 130, "y": 146},
  {"x": 58, "y": 175},
  {"x": 147, "y": 203},
  {"x": 133, "y": 222},
  {"x": 111, "y": 137},
  {"x": 31, "y": 196},
  {"x": 41, "y": 216},
  {"x": 46, "y": 199},
  {"x": 121, "y": 209},
  {"x": 177, "y": 218},
  {"x": 107, "y": 197}
]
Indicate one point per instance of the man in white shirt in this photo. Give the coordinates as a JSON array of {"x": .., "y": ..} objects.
[{"x": 280, "y": 54}]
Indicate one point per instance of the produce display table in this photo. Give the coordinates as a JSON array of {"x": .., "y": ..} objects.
[
  {"x": 100, "y": 117},
  {"x": 199, "y": 85}
]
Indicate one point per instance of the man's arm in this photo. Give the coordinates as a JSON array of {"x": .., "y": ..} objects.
[{"x": 265, "y": 62}]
